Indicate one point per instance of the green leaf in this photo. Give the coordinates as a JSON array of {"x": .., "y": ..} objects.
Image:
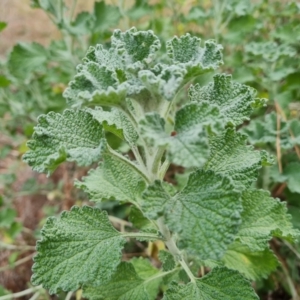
[
  {"x": 124, "y": 284},
  {"x": 205, "y": 214},
  {"x": 252, "y": 264},
  {"x": 292, "y": 173},
  {"x": 229, "y": 148},
  {"x": 155, "y": 199},
  {"x": 105, "y": 16},
  {"x": 4, "y": 82},
  {"x": 262, "y": 218},
  {"x": 163, "y": 81},
  {"x": 262, "y": 132},
  {"x": 189, "y": 147},
  {"x": 78, "y": 248},
  {"x": 113, "y": 179},
  {"x": 234, "y": 100},
  {"x": 25, "y": 59},
  {"x": 219, "y": 284},
  {"x": 72, "y": 136},
  {"x": 137, "y": 218},
  {"x": 95, "y": 84},
  {"x": 116, "y": 122},
  {"x": 2, "y": 26},
  {"x": 7, "y": 217},
  {"x": 187, "y": 53},
  {"x": 167, "y": 259},
  {"x": 135, "y": 47}
]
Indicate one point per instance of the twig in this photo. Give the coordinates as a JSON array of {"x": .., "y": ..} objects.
[
  {"x": 69, "y": 296},
  {"x": 278, "y": 148},
  {"x": 15, "y": 247},
  {"x": 21, "y": 294},
  {"x": 17, "y": 263}
]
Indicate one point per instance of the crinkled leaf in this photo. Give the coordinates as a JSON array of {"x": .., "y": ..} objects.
[
  {"x": 261, "y": 132},
  {"x": 219, "y": 284},
  {"x": 113, "y": 179},
  {"x": 262, "y": 218},
  {"x": 229, "y": 155},
  {"x": 252, "y": 264},
  {"x": 163, "y": 81},
  {"x": 186, "y": 52},
  {"x": 135, "y": 47},
  {"x": 270, "y": 51},
  {"x": 95, "y": 84},
  {"x": 125, "y": 284},
  {"x": 234, "y": 100},
  {"x": 25, "y": 59},
  {"x": 80, "y": 247},
  {"x": 73, "y": 136},
  {"x": 167, "y": 259},
  {"x": 116, "y": 122},
  {"x": 206, "y": 214},
  {"x": 189, "y": 147},
  {"x": 155, "y": 198}
]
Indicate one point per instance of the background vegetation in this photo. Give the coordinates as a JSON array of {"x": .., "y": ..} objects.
[{"x": 261, "y": 41}]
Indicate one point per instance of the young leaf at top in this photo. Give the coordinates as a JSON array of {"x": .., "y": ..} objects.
[
  {"x": 113, "y": 179},
  {"x": 219, "y": 284},
  {"x": 73, "y": 136},
  {"x": 205, "y": 214},
  {"x": 228, "y": 148},
  {"x": 136, "y": 47},
  {"x": 186, "y": 52},
  {"x": 80, "y": 247},
  {"x": 262, "y": 218}
]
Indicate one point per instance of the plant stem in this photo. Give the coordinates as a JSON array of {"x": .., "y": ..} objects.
[
  {"x": 124, "y": 159},
  {"x": 161, "y": 274},
  {"x": 21, "y": 294},
  {"x": 141, "y": 235},
  {"x": 170, "y": 243},
  {"x": 72, "y": 10}
]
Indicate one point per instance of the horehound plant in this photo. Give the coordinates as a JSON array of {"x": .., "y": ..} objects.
[{"x": 215, "y": 224}]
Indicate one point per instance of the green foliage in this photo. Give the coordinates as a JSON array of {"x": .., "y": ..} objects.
[{"x": 216, "y": 219}]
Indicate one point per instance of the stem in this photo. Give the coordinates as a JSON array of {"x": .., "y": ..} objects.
[
  {"x": 14, "y": 247},
  {"x": 73, "y": 10},
  {"x": 124, "y": 159},
  {"x": 170, "y": 243},
  {"x": 161, "y": 274},
  {"x": 21, "y": 294},
  {"x": 141, "y": 235},
  {"x": 69, "y": 296}
]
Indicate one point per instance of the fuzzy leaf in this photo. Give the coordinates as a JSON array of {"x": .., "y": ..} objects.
[
  {"x": 187, "y": 53},
  {"x": 229, "y": 155},
  {"x": 113, "y": 179},
  {"x": 155, "y": 198},
  {"x": 262, "y": 218},
  {"x": 252, "y": 264},
  {"x": 234, "y": 100},
  {"x": 167, "y": 259},
  {"x": 189, "y": 147},
  {"x": 163, "y": 81},
  {"x": 125, "y": 284},
  {"x": 25, "y": 59},
  {"x": 135, "y": 47},
  {"x": 206, "y": 214},
  {"x": 95, "y": 84},
  {"x": 219, "y": 284},
  {"x": 71, "y": 136},
  {"x": 116, "y": 122},
  {"x": 78, "y": 248}
]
